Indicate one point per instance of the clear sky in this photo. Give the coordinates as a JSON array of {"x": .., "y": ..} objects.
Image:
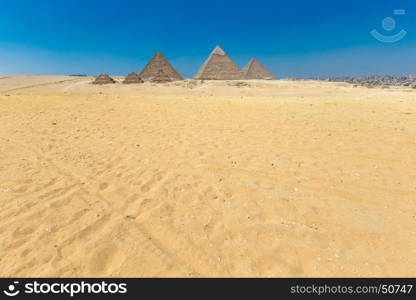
[{"x": 300, "y": 38}]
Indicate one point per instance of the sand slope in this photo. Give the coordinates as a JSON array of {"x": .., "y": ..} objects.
[{"x": 217, "y": 179}]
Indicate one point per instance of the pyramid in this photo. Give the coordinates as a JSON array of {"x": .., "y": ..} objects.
[
  {"x": 132, "y": 78},
  {"x": 254, "y": 70},
  {"x": 160, "y": 77},
  {"x": 219, "y": 66},
  {"x": 104, "y": 79},
  {"x": 158, "y": 62}
]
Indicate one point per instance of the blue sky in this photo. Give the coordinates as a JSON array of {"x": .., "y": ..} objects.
[{"x": 291, "y": 38}]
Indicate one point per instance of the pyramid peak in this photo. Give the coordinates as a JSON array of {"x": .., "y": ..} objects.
[
  {"x": 132, "y": 77},
  {"x": 103, "y": 79},
  {"x": 156, "y": 63},
  {"x": 219, "y": 66},
  {"x": 217, "y": 50},
  {"x": 252, "y": 61},
  {"x": 255, "y": 70}
]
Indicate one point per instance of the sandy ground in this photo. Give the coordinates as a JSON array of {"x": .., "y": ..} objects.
[{"x": 216, "y": 179}]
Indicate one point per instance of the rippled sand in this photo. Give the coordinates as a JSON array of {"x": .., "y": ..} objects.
[{"x": 274, "y": 178}]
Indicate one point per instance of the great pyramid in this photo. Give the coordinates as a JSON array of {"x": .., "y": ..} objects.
[
  {"x": 219, "y": 66},
  {"x": 158, "y": 62},
  {"x": 132, "y": 78},
  {"x": 254, "y": 70},
  {"x": 103, "y": 79},
  {"x": 160, "y": 77}
]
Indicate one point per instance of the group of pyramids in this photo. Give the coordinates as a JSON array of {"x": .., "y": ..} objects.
[{"x": 218, "y": 66}]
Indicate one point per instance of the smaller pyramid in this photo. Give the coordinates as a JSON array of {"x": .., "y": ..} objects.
[
  {"x": 255, "y": 70},
  {"x": 157, "y": 63},
  {"x": 219, "y": 66},
  {"x": 104, "y": 79},
  {"x": 132, "y": 78},
  {"x": 161, "y": 77}
]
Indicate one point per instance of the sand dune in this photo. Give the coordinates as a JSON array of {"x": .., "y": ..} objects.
[{"x": 251, "y": 178}]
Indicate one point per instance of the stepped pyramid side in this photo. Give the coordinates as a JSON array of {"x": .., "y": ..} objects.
[
  {"x": 132, "y": 78},
  {"x": 158, "y": 62},
  {"x": 103, "y": 79},
  {"x": 255, "y": 70},
  {"x": 219, "y": 66},
  {"x": 161, "y": 77}
]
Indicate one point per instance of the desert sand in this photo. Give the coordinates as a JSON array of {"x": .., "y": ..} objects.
[{"x": 256, "y": 178}]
